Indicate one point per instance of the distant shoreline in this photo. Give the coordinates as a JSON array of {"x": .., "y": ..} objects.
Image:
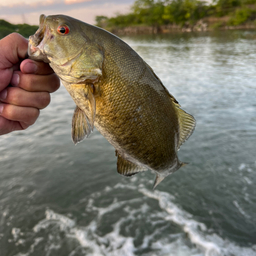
[{"x": 200, "y": 26}]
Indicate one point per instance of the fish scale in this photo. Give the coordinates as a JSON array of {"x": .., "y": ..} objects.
[{"x": 115, "y": 91}]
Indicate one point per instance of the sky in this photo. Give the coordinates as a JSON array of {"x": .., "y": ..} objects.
[{"x": 28, "y": 11}]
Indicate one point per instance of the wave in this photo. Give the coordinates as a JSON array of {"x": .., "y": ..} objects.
[{"x": 192, "y": 238}]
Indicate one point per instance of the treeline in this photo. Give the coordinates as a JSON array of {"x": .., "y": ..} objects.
[
  {"x": 24, "y": 29},
  {"x": 182, "y": 12}
]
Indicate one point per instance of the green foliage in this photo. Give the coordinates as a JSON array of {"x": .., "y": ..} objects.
[
  {"x": 7, "y": 28},
  {"x": 123, "y": 20},
  {"x": 224, "y": 7},
  {"x": 157, "y": 12},
  {"x": 249, "y": 2},
  {"x": 241, "y": 16},
  {"x": 217, "y": 25},
  {"x": 149, "y": 12},
  {"x": 101, "y": 21},
  {"x": 181, "y": 12}
]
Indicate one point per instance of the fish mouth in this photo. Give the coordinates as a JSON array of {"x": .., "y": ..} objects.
[{"x": 36, "y": 42}]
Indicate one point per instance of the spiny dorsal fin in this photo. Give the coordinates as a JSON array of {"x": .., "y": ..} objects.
[
  {"x": 187, "y": 125},
  {"x": 128, "y": 168},
  {"x": 80, "y": 126}
]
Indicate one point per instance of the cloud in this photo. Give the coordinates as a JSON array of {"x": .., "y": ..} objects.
[
  {"x": 85, "y": 11},
  {"x": 59, "y": 6},
  {"x": 76, "y": 1},
  {"x": 17, "y": 3}
]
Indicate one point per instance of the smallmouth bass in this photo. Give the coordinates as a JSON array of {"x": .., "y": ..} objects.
[{"x": 116, "y": 91}]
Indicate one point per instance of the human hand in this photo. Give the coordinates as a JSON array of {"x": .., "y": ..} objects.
[{"x": 31, "y": 84}]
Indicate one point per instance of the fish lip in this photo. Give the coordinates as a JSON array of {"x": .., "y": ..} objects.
[
  {"x": 36, "y": 47},
  {"x": 37, "y": 38},
  {"x": 36, "y": 44}
]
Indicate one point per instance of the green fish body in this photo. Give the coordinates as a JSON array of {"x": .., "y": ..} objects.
[{"x": 115, "y": 91}]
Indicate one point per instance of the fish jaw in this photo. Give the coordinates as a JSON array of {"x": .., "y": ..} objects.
[{"x": 36, "y": 45}]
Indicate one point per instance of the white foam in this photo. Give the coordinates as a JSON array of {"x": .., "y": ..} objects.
[
  {"x": 51, "y": 217},
  {"x": 242, "y": 166},
  {"x": 115, "y": 243},
  {"x": 176, "y": 248},
  {"x": 15, "y": 233},
  {"x": 184, "y": 220},
  {"x": 240, "y": 209},
  {"x": 210, "y": 245}
]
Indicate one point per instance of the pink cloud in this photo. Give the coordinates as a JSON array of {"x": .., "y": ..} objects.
[{"x": 76, "y": 1}]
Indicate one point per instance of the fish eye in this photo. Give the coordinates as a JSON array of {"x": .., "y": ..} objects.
[{"x": 63, "y": 29}]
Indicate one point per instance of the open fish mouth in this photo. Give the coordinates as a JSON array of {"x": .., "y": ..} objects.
[{"x": 36, "y": 42}]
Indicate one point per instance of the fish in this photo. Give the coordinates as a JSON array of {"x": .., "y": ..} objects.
[{"x": 116, "y": 92}]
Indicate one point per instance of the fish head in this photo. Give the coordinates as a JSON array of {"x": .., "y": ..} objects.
[
  {"x": 56, "y": 40},
  {"x": 64, "y": 42}
]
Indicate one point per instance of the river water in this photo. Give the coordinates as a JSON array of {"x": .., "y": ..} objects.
[{"x": 58, "y": 199}]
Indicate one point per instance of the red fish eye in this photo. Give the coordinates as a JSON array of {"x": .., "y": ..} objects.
[{"x": 63, "y": 29}]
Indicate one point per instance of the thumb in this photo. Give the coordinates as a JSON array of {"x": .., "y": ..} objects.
[{"x": 13, "y": 48}]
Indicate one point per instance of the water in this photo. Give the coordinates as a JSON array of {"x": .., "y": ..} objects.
[{"x": 66, "y": 200}]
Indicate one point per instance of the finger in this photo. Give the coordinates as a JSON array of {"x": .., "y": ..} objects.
[
  {"x": 19, "y": 97},
  {"x": 7, "y": 126},
  {"x": 36, "y": 83},
  {"x": 28, "y": 66},
  {"x": 25, "y": 115},
  {"x": 13, "y": 48},
  {"x": 5, "y": 78}
]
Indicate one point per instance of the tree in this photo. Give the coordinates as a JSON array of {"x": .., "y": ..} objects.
[
  {"x": 149, "y": 12},
  {"x": 182, "y": 11}
]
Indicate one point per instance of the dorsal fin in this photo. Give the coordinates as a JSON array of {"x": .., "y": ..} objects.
[
  {"x": 80, "y": 126},
  {"x": 128, "y": 168},
  {"x": 187, "y": 125}
]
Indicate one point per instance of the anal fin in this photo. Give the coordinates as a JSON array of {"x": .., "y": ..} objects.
[
  {"x": 128, "y": 168},
  {"x": 81, "y": 126}
]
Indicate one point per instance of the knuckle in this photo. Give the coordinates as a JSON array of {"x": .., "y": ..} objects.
[
  {"x": 45, "y": 100},
  {"x": 27, "y": 82},
  {"x": 24, "y": 126},
  {"x": 55, "y": 83},
  {"x": 8, "y": 112},
  {"x": 34, "y": 114},
  {"x": 15, "y": 36}
]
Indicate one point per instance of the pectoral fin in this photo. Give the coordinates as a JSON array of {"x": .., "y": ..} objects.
[
  {"x": 81, "y": 126},
  {"x": 84, "y": 115},
  {"x": 92, "y": 104},
  {"x": 128, "y": 168}
]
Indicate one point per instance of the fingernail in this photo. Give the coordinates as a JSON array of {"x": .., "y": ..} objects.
[
  {"x": 3, "y": 94},
  {"x": 1, "y": 108},
  {"x": 30, "y": 68},
  {"x": 15, "y": 80}
]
